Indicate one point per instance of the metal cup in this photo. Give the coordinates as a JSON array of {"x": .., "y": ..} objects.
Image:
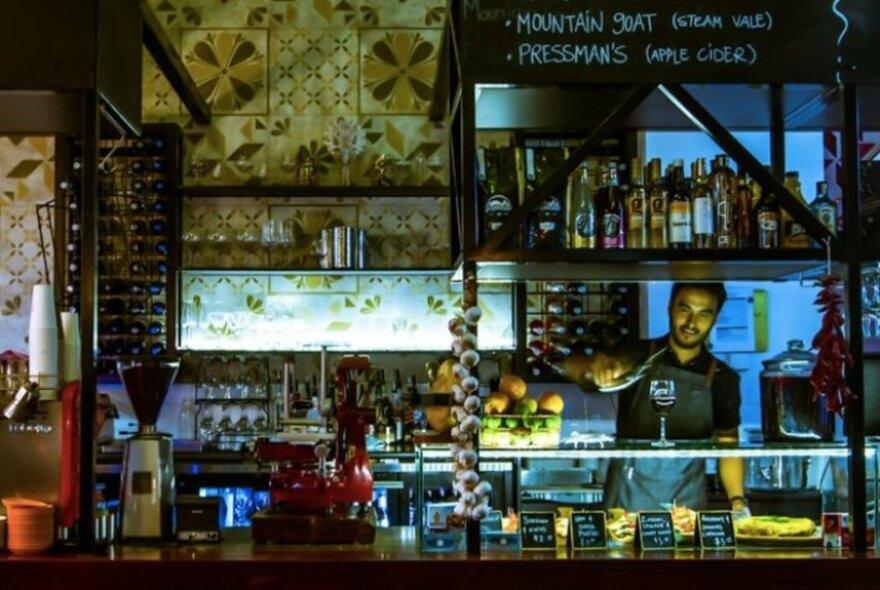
[
  {"x": 360, "y": 248},
  {"x": 326, "y": 248}
]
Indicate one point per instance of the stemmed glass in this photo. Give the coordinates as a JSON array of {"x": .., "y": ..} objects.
[{"x": 662, "y": 395}]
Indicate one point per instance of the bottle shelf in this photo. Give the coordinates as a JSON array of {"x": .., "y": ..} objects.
[
  {"x": 274, "y": 190},
  {"x": 647, "y": 265}
]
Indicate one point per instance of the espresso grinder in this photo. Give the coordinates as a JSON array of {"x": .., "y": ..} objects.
[{"x": 148, "y": 470}]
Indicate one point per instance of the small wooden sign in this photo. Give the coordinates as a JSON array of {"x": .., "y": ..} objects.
[
  {"x": 537, "y": 531},
  {"x": 587, "y": 531},
  {"x": 492, "y": 522},
  {"x": 654, "y": 531},
  {"x": 714, "y": 530}
]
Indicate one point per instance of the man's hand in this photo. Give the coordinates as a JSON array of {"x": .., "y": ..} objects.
[{"x": 606, "y": 371}]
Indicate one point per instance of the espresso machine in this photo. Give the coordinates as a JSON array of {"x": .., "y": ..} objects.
[
  {"x": 147, "y": 488},
  {"x": 321, "y": 485}
]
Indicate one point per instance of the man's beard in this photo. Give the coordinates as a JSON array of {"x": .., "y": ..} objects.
[{"x": 686, "y": 345}]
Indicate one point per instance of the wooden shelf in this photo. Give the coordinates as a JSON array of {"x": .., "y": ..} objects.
[
  {"x": 646, "y": 265},
  {"x": 284, "y": 191},
  {"x": 357, "y": 272}
]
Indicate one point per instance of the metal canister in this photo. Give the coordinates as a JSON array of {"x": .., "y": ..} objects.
[
  {"x": 325, "y": 248},
  {"x": 361, "y": 248},
  {"x": 344, "y": 247}
]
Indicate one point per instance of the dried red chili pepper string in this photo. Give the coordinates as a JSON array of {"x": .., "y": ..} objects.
[{"x": 833, "y": 352}]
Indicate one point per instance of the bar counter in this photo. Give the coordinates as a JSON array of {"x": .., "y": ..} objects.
[{"x": 394, "y": 562}]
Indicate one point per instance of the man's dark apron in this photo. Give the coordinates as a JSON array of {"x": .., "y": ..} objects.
[{"x": 643, "y": 484}]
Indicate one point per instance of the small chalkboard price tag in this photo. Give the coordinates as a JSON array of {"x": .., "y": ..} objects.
[
  {"x": 492, "y": 522},
  {"x": 714, "y": 530},
  {"x": 654, "y": 531},
  {"x": 587, "y": 531},
  {"x": 538, "y": 531}
]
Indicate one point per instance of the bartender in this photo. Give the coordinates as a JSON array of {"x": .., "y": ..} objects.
[{"x": 706, "y": 408}]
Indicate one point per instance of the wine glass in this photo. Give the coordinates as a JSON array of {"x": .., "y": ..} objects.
[{"x": 662, "y": 395}]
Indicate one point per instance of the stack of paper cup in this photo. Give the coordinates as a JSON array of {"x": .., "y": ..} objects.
[
  {"x": 70, "y": 347},
  {"x": 43, "y": 338}
]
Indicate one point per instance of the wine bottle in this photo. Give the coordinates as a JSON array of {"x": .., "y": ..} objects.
[
  {"x": 553, "y": 305},
  {"x": 160, "y": 206},
  {"x": 680, "y": 229},
  {"x": 157, "y": 349},
  {"x": 611, "y": 212},
  {"x": 158, "y": 308},
  {"x": 157, "y": 227},
  {"x": 137, "y": 307},
  {"x": 155, "y": 329},
  {"x": 138, "y": 167},
  {"x": 657, "y": 206},
  {"x": 576, "y": 288},
  {"x": 536, "y": 327},
  {"x": 582, "y": 226},
  {"x": 136, "y": 347},
  {"x": 537, "y": 347},
  {"x": 635, "y": 227},
  {"x": 703, "y": 206},
  {"x": 159, "y": 186},
  {"x": 137, "y": 247},
  {"x": 137, "y": 328},
  {"x": 577, "y": 327},
  {"x": 723, "y": 184},
  {"x": 111, "y": 306},
  {"x": 137, "y": 206},
  {"x": 162, "y": 247},
  {"x": 573, "y": 306},
  {"x": 793, "y": 234},
  {"x": 554, "y": 325}
]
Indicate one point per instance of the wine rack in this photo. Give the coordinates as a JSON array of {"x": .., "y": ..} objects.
[
  {"x": 139, "y": 180},
  {"x": 565, "y": 318}
]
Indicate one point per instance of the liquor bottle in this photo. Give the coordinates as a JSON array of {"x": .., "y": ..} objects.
[
  {"x": 657, "y": 204},
  {"x": 582, "y": 228},
  {"x": 723, "y": 184},
  {"x": 545, "y": 227},
  {"x": 703, "y": 206},
  {"x": 635, "y": 227},
  {"x": 611, "y": 212},
  {"x": 824, "y": 209},
  {"x": 767, "y": 224},
  {"x": 793, "y": 234},
  {"x": 573, "y": 306},
  {"x": 680, "y": 230},
  {"x": 500, "y": 190},
  {"x": 742, "y": 213}
]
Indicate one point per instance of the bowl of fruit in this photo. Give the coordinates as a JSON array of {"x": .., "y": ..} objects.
[{"x": 513, "y": 419}]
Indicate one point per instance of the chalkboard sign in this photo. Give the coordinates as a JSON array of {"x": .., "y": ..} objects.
[
  {"x": 639, "y": 41},
  {"x": 714, "y": 530},
  {"x": 492, "y": 522},
  {"x": 537, "y": 530},
  {"x": 654, "y": 531},
  {"x": 587, "y": 531}
]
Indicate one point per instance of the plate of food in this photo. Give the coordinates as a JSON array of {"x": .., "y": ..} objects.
[{"x": 776, "y": 531}]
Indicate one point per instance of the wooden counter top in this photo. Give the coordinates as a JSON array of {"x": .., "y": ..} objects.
[{"x": 394, "y": 562}]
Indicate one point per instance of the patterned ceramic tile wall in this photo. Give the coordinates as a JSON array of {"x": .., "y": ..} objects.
[
  {"x": 27, "y": 178},
  {"x": 277, "y": 73},
  {"x": 305, "y": 312}
]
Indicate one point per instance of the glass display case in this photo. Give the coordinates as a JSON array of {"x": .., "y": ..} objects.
[{"x": 796, "y": 495}]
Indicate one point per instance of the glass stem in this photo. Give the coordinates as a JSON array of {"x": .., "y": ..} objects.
[{"x": 663, "y": 428}]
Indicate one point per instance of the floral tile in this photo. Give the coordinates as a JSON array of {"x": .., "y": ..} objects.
[
  {"x": 398, "y": 67},
  {"x": 379, "y": 13},
  {"x": 229, "y": 151},
  {"x": 229, "y": 67},
  {"x": 159, "y": 98}
]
